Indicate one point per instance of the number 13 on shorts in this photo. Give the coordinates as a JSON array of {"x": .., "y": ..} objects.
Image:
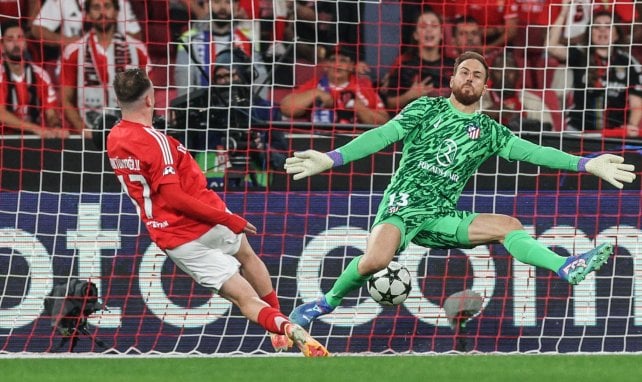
[{"x": 397, "y": 200}]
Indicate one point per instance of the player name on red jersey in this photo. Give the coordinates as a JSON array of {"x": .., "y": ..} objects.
[{"x": 128, "y": 163}]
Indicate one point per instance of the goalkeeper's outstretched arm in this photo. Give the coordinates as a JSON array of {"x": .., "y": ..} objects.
[
  {"x": 312, "y": 162},
  {"x": 608, "y": 167}
]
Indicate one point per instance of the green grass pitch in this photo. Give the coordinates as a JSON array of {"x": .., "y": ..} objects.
[{"x": 400, "y": 368}]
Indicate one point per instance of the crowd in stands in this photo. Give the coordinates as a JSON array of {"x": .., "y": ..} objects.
[
  {"x": 556, "y": 65},
  {"x": 338, "y": 94}
]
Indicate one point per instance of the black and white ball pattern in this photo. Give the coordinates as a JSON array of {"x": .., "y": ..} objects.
[{"x": 391, "y": 285}]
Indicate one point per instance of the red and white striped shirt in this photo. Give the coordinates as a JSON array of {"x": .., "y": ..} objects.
[
  {"x": 15, "y": 92},
  {"x": 91, "y": 68}
]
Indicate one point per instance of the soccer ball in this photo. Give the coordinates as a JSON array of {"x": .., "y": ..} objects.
[{"x": 390, "y": 286}]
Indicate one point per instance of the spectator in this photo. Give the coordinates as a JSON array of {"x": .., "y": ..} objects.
[
  {"x": 60, "y": 22},
  {"x": 323, "y": 22},
  {"x": 245, "y": 13},
  {"x": 467, "y": 36},
  {"x": 232, "y": 76},
  {"x": 423, "y": 70},
  {"x": 338, "y": 96},
  {"x": 28, "y": 102},
  {"x": 201, "y": 10},
  {"x": 629, "y": 13},
  {"x": 508, "y": 103},
  {"x": 90, "y": 64},
  {"x": 498, "y": 19},
  {"x": 197, "y": 9},
  {"x": 607, "y": 92},
  {"x": 215, "y": 32},
  {"x": 263, "y": 22}
]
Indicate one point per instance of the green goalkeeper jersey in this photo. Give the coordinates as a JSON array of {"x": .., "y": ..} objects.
[{"x": 442, "y": 149}]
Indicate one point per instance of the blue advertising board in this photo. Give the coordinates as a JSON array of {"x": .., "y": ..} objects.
[{"x": 305, "y": 240}]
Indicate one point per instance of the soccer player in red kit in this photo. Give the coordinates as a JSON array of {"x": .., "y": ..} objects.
[{"x": 190, "y": 222}]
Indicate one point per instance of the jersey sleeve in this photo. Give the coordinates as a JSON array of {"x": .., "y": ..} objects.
[
  {"x": 522, "y": 150},
  {"x": 3, "y": 90},
  {"x": 47, "y": 92},
  {"x": 369, "y": 142},
  {"x": 392, "y": 131},
  {"x": 69, "y": 65}
]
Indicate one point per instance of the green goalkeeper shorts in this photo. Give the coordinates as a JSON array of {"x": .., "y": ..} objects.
[{"x": 448, "y": 229}]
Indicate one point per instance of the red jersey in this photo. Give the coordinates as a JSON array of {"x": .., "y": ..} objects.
[
  {"x": 143, "y": 159},
  {"x": 536, "y": 12},
  {"x": 488, "y": 13},
  {"x": 29, "y": 95},
  {"x": 91, "y": 68},
  {"x": 344, "y": 95}
]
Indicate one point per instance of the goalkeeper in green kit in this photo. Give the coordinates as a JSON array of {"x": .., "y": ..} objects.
[{"x": 445, "y": 140}]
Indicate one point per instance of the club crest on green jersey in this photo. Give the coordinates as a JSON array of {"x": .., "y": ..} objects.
[{"x": 473, "y": 131}]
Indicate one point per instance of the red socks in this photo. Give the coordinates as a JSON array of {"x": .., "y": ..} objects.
[
  {"x": 272, "y": 320},
  {"x": 272, "y": 299}
]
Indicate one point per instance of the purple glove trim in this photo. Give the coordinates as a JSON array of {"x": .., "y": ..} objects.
[
  {"x": 336, "y": 157},
  {"x": 581, "y": 166}
]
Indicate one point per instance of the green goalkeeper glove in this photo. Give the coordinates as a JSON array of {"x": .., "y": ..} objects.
[
  {"x": 610, "y": 168},
  {"x": 307, "y": 163}
]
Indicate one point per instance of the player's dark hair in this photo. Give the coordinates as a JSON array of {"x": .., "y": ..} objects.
[
  {"x": 616, "y": 23},
  {"x": 463, "y": 20},
  {"x": 412, "y": 50},
  {"x": 469, "y": 55},
  {"x": 131, "y": 84},
  {"x": 114, "y": 2},
  {"x": 6, "y": 25},
  {"x": 427, "y": 10}
]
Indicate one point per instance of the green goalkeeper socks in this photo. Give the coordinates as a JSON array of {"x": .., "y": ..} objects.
[
  {"x": 518, "y": 243},
  {"x": 349, "y": 280},
  {"x": 529, "y": 251}
]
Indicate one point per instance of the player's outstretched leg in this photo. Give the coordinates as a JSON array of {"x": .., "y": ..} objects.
[
  {"x": 577, "y": 267},
  {"x": 281, "y": 342},
  {"x": 304, "y": 314},
  {"x": 308, "y": 345}
]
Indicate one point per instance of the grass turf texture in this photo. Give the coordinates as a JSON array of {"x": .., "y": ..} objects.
[{"x": 477, "y": 368}]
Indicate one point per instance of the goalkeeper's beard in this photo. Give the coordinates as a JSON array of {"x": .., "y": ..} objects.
[{"x": 466, "y": 98}]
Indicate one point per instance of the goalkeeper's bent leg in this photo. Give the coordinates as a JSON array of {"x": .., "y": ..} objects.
[
  {"x": 530, "y": 251},
  {"x": 349, "y": 280}
]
